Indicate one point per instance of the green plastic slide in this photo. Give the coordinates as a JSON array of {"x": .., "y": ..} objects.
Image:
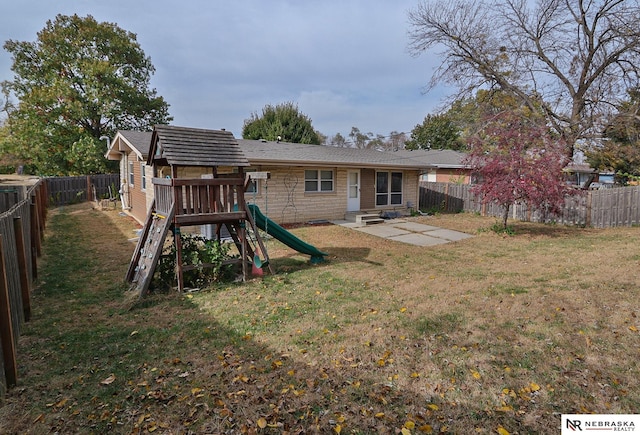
[{"x": 276, "y": 231}]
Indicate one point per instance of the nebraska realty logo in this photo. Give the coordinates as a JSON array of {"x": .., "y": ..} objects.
[{"x": 572, "y": 423}]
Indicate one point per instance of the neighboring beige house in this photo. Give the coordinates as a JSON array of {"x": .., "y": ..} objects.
[
  {"x": 307, "y": 182},
  {"x": 445, "y": 166}
]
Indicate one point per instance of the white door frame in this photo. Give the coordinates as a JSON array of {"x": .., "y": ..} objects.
[{"x": 353, "y": 202}]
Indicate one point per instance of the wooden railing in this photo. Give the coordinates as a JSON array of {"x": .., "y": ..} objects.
[{"x": 201, "y": 200}]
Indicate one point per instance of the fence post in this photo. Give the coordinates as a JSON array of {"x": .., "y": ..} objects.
[
  {"x": 89, "y": 188},
  {"x": 42, "y": 201},
  {"x": 21, "y": 252},
  {"x": 35, "y": 239},
  {"x": 446, "y": 197},
  {"x": 6, "y": 326},
  {"x": 588, "y": 212}
]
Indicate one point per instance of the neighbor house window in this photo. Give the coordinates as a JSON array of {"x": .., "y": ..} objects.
[
  {"x": 131, "y": 179},
  {"x": 388, "y": 188},
  {"x": 143, "y": 176},
  {"x": 318, "y": 180}
]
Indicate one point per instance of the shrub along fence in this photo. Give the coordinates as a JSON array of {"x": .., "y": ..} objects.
[
  {"x": 21, "y": 233},
  {"x": 595, "y": 208},
  {"x": 71, "y": 190}
]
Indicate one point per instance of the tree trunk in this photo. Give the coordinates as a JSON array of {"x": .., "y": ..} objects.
[{"x": 505, "y": 215}]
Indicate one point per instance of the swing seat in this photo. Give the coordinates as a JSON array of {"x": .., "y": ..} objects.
[{"x": 257, "y": 262}]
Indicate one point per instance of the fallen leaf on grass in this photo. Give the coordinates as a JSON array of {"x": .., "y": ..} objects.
[
  {"x": 262, "y": 423},
  {"x": 502, "y": 431},
  {"x": 633, "y": 328},
  {"x": 475, "y": 374},
  {"x": 109, "y": 380}
]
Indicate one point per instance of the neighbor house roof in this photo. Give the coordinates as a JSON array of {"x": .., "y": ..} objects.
[
  {"x": 436, "y": 158},
  {"x": 125, "y": 140},
  {"x": 183, "y": 146},
  {"x": 288, "y": 154}
]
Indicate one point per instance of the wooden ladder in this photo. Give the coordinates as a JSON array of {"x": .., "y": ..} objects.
[{"x": 148, "y": 250}]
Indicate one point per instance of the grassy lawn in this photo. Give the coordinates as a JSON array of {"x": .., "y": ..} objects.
[{"x": 493, "y": 334}]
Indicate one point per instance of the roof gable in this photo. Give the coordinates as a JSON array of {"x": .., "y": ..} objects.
[
  {"x": 183, "y": 146},
  {"x": 129, "y": 140}
]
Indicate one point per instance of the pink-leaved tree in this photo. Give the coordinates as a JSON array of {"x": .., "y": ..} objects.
[{"x": 518, "y": 160}]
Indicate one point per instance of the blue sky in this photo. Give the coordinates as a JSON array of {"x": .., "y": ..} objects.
[{"x": 344, "y": 62}]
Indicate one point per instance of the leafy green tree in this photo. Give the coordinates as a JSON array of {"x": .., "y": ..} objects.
[
  {"x": 80, "y": 80},
  {"x": 358, "y": 139},
  {"x": 464, "y": 118},
  {"x": 337, "y": 141},
  {"x": 620, "y": 151},
  {"x": 282, "y": 122},
  {"x": 435, "y": 132}
]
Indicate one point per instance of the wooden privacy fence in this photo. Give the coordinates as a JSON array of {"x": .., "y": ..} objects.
[
  {"x": 594, "y": 208},
  {"x": 21, "y": 232},
  {"x": 71, "y": 190}
]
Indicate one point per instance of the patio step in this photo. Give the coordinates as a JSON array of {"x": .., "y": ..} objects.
[{"x": 369, "y": 219}]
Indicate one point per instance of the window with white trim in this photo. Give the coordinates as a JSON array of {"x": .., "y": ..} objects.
[
  {"x": 320, "y": 180},
  {"x": 388, "y": 188},
  {"x": 143, "y": 176},
  {"x": 131, "y": 177}
]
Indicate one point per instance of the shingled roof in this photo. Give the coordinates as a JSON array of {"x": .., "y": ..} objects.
[
  {"x": 141, "y": 140},
  {"x": 285, "y": 153},
  {"x": 183, "y": 146},
  {"x": 129, "y": 140}
]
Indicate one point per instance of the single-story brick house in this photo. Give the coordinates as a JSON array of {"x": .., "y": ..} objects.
[{"x": 307, "y": 182}]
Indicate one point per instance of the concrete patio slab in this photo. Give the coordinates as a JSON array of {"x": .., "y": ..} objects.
[
  {"x": 447, "y": 234},
  {"x": 412, "y": 233},
  {"x": 382, "y": 230},
  {"x": 419, "y": 239},
  {"x": 415, "y": 227}
]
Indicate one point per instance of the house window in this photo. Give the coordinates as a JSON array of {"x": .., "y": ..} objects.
[
  {"x": 143, "y": 176},
  {"x": 318, "y": 180},
  {"x": 131, "y": 179},
  {"x": 388, "y": 188}
]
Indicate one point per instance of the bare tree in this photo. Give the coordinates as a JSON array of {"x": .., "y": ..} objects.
[{"x": 573, "y": 58}]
